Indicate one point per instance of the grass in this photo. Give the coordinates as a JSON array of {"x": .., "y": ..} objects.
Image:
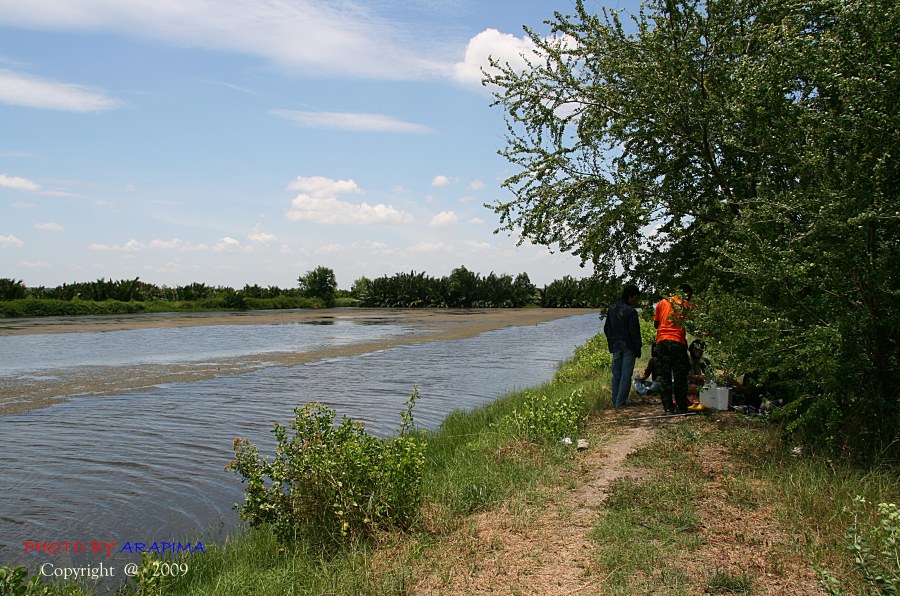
[{"x": 723, "y": 476}]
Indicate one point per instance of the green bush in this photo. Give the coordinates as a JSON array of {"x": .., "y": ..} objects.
[
  {"x": 15, "y": 582},
  {"x": 46, "y": 307},
  {"x": 546, "y": 419},
  {"x": 876, "y": 551},
  {"x": 333, "y": 483},
  {"x": 588, "y": 360},
  {"x": 648, "y": 334}
]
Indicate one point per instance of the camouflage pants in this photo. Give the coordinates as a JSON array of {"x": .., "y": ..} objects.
[{"x": 673, "y": 365}]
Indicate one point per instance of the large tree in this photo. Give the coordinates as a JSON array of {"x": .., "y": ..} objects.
[
  {"x": 747, "y": 146},
  {"x": 319, "y": 283}
]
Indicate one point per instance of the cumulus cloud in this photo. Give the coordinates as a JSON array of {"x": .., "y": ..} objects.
[
  {"x": 24, "y": 90},
  {"x": 477, "y": 245},
  {"x": 134, "y": 245},
  {"x": 476, "y": 185},
  {"x": 443, "y": 219},
  {"x": 352, "y": 121},
  {"x": 48, "y": 226},
  {"x": 258, "y": 236},
  {"x": 34, "y": 264},
  {"x": 10, "y": 242},
  {"x": 15, "y": 181},
  {"x": 440, "y": 181},
  {"x": 430, "y": 247},
  {"x": 226, "y": 244},
  {"x": 316, "y": 36},
  {"x": 329, "y": 249},
  {"x": 476, "y": 221},
  {"x": 318, "y": 201},
  {"x": 490, "y": 43}
]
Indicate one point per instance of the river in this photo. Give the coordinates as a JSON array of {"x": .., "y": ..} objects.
[{"x": 97, "y": 465}]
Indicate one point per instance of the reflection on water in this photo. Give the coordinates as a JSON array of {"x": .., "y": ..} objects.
[{"x": 148, "y": 466}]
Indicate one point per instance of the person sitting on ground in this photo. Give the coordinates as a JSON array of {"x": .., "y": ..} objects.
[
  {"x": 697, "y": 373},
  {"x": 648, "y": 382},
  {"x": 748, "y": 392}
]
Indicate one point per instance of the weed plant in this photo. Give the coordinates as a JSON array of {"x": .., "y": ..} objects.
[
  {"x": 588, "y": 361},
  {"x": 332, "y": 483}
]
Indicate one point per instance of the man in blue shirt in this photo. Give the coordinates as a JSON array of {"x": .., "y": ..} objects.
[{"x": 623, "y": 337}]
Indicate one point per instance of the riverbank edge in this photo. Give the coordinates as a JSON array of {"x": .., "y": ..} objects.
[{"x": 737, "y": 468}]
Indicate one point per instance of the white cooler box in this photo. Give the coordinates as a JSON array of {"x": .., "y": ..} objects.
[{"x": 715, "y": 397}]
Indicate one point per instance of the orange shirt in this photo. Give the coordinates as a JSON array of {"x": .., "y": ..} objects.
[{"x": 667, "y": 317}]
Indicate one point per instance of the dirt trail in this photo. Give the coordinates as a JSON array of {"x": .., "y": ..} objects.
[
  {"x": 551, "y": 554},
  {"x": 548, "y": 550}
]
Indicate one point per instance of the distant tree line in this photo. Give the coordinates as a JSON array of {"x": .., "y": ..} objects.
[
  {"x": 466, "y": 289},
  {"x": 315, "y": 289}
]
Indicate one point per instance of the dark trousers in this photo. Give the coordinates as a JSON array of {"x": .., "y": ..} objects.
[{"x": 674, "y": 365}]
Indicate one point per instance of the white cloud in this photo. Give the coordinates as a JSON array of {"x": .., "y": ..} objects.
[
  {"x": 352, "y": 121},
  {"x": 477, "y": 246},
  {"x": 476, "y": 221},
  {"x": 333, "y": 38},
  {"x": 318, "y": 201},
  {"x": 32, "y": 92},
  {"x": 490, "y": 43},
  {"x": 381, "y": 248},
  {"x": 329, "y": 249},
  {"x": 48, "y": 226},
  {"x": 226, "y": 244},
  {"x": 10, "y": 242},
  {"x": 23, "y": 205},
  {"x": 430, "y": 247},
  {"x": 476, "y": 185},
  {"x": 176, "y": 244},
  {"x": 258, "y": 236},
  {"x": 34, "y": 264},
  {"x": 15, "y": 181},
  {"x": 133, "y": 246},
  {"x": 443, "y": 219},
  {"x": 440, "y": 181}
]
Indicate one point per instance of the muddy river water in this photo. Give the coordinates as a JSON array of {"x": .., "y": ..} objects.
[{"x": 118, "y": 430}]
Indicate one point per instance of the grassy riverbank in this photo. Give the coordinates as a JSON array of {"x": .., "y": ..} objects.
[{"x": 711, "y": 503}]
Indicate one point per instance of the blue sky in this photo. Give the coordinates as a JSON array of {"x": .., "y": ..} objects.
[{"x": 238, "y": 142}]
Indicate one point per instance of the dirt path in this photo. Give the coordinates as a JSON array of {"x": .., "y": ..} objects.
[
  {"x": 548, "y": 550},
  {"x": 550, "y": 554}
]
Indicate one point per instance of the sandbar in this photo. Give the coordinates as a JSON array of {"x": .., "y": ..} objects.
[{"x": 37, "y": 391}]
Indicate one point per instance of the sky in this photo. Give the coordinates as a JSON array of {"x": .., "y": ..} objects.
[{"x": 234, "y": 142}]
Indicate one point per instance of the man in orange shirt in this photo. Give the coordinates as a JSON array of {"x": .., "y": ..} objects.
[{"x": 671, "y": 346}]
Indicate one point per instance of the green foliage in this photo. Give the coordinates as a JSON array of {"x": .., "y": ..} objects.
[
  {"x": 589, "y": 359},
  {"x": 32, "y": 307},
  {"x": 148, "y": 576},
  {"x": 648, "y": 333},
  {"x": 333, "y": 483},
  {"x": 10, "y": 289},
  {"x": 461, "y": 289},
  {"x": 15, "y": 582},
  {"x": 319, "y": 283},
  {"x": 752, "y": 136},
  {"x": 543, "y": 418},
  {"x": 875, "y": 550}
]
